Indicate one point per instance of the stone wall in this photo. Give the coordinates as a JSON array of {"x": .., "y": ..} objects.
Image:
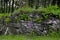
[{"x": 29, "y": 23}]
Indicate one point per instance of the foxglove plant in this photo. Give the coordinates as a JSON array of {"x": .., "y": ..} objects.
[{"x": 30, "y": 24}]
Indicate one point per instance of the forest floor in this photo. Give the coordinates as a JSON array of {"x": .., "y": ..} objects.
[{"x": 24, "y": 37}]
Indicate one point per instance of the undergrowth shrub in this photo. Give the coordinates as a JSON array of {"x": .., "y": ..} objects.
[{"x": 51, "y": 9}]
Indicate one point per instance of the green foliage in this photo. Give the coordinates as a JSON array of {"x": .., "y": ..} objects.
[
  {"x": 46, "y": 10},
  {"x": 51, "y": 9},
  {"x": 1, "y": 15},
  {"x": 7, "y": 20},
  {"x": 7, "y": 14},
  {"x": 24, "y": 17},
  {"x": 25, "y": 9},
  {"x": 37, "y": 20}
]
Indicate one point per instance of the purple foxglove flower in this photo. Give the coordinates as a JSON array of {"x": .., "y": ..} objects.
[{"x": 30, "y": 24}]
